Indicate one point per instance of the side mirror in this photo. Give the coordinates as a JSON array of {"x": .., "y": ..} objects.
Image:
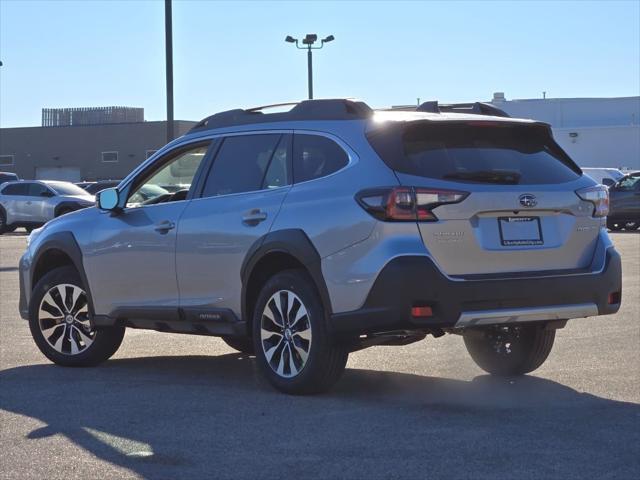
[{"x": 108, "y": 199}]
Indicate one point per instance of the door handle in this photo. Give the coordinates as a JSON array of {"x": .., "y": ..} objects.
[
  {"x": 164, "y": 227},
  {"x": 253, "y": 217}
]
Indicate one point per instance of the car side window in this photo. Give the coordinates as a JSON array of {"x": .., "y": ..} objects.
[
  {"x": 279, "y": 171},
  {"x": 243, "y": 164},
  {"x": 16, "y": 189},
  {"x": 629, "y": 183},
  {"x": 38, "y": 190},
  {"x": 171, "y": 181},
  {"x": 315, "y": 156}
]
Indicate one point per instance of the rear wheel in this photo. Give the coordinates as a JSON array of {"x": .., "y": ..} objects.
[
  {"x": 632, "y": 226},
  {"x": 241, "y": 344},
  {"x": 293, "y": 348},
  {"x": 61, "y": 325},
  {"x": 509, "y": 350}
]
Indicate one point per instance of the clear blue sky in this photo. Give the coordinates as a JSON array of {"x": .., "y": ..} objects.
[{"x": 231, "y": 54}]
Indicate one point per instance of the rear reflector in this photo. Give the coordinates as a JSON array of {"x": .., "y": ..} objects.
[
  {"x": 614, "y": 298},
  {"x": 421, "y": 312}
]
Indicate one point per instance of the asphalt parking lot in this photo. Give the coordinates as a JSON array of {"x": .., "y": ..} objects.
[{"x": 172, "y": 406}]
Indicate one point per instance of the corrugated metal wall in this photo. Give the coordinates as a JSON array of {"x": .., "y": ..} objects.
[{"x": 62, "y": 117}]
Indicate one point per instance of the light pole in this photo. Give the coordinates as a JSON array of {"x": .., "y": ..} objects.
[
  {"x": 169, "y": 66},
  {"x": 307, "y": 43}
]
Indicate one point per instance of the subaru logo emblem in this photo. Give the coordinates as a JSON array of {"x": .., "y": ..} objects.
[{"x": 528, "y": 200}]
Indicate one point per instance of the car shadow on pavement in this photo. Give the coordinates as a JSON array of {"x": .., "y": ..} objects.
[{"x": 204, "y": 417}]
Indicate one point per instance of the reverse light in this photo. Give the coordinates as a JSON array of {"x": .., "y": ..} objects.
[
  {"x": 407, "y": 204},
  {"x": 599, "y": 196}
]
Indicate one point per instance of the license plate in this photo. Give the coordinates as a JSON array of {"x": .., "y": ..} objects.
[{"x": 520, "y": 231}]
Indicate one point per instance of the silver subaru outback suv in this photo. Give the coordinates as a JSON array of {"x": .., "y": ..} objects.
[{"x": 303, "y": 235}]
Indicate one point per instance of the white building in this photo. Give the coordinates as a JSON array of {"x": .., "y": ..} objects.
[{"x": 595, "y": 132}]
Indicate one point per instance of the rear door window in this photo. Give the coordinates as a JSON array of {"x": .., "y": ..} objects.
[
  {"x": 480, "y": 152},
  {"x": 16, "y": 189},
  {"x": 315, "y": 156},
  {"x": 247, "y": 163}
]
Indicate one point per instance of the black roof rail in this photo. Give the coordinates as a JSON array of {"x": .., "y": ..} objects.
[{"x": 325, "y": 109}]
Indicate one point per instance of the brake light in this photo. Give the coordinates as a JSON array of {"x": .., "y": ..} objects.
[
  {"x": 599, "y": 196},
  {"x": 406, "y": 204}
]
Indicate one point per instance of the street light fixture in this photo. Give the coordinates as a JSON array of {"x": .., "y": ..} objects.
[{"x": 308, "y": 41}]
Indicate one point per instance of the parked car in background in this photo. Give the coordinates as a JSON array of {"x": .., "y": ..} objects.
[
  {"x": 95, "y": 187},
  {"x": 604, "y": 176},
  {"x": 8, "y": 177},
  {"x": 624, "y": 203},
  {"x": 30, "y": 204}
]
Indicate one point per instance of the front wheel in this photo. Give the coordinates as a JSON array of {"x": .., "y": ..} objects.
[
  {"x": 61, "y": 325},
  {"x": 63, "y": 211},
  {"x": 630, "y": 226},
  {"x": 293, "y": 347},
  {"x": 614, "y": 226},
  {"x": 513, "y": 350},
  {"x": 3, "y": 222}
]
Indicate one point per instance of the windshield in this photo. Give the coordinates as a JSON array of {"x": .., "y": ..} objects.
[
  {"x": 65, "y": 188},
  {"x": 479, "y": 152}
]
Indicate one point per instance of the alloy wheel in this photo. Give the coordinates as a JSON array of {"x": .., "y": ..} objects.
[
  {"x": 504, "y": 339},
  {"x": 285, "y": 333},
  {"x": 64, "y": 321}
]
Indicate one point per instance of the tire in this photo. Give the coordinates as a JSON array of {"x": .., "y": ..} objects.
[
  {"x": 63, "y": 211},
  {"x": 65, "y": 335},
  {"x": 241, "y": 344},
  {"x": 3, "y": 222},
  {"x": 631, "y": 226},
  {"x": 507, "y": 351},
  {"x": 29, "y": 229},
  {"x": 281, "y": 346},
  {"x": 614, "y": 226}
]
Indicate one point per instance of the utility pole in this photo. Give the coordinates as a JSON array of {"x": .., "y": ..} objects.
[
  {"x": 307, "y": 43},
  {"x": 310, "y": 72},
  {"x": 169, "y": 65}
]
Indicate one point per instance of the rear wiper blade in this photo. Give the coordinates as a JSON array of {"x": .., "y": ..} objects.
[{"x": 488, "y": 176}]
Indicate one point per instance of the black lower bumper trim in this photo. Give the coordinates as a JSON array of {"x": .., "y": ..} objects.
[{"x": 415, "y": 280}]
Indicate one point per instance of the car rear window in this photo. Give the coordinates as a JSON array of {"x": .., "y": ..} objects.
[{"x": 479, "y": 152}]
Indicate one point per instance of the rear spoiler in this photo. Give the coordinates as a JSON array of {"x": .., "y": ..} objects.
[{"x": 475, "y": 108}]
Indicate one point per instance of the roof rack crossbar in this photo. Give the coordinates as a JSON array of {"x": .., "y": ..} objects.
[{"x": 326, "y": 109}]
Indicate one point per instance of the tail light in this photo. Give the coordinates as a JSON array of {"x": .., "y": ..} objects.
[
  {"x": 599, "y": 196},
  {"x": 406, "y": 204}
]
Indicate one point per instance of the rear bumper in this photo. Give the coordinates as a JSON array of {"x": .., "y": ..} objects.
[{"x": 410, "y": 281}]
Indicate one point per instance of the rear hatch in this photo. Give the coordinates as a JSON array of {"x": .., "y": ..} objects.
[{"x": 520, "y": 211}]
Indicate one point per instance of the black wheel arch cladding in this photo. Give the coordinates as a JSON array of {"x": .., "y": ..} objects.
[
  {"x": 294, "y": 243},
  {"x": 66, "y": 243}
]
